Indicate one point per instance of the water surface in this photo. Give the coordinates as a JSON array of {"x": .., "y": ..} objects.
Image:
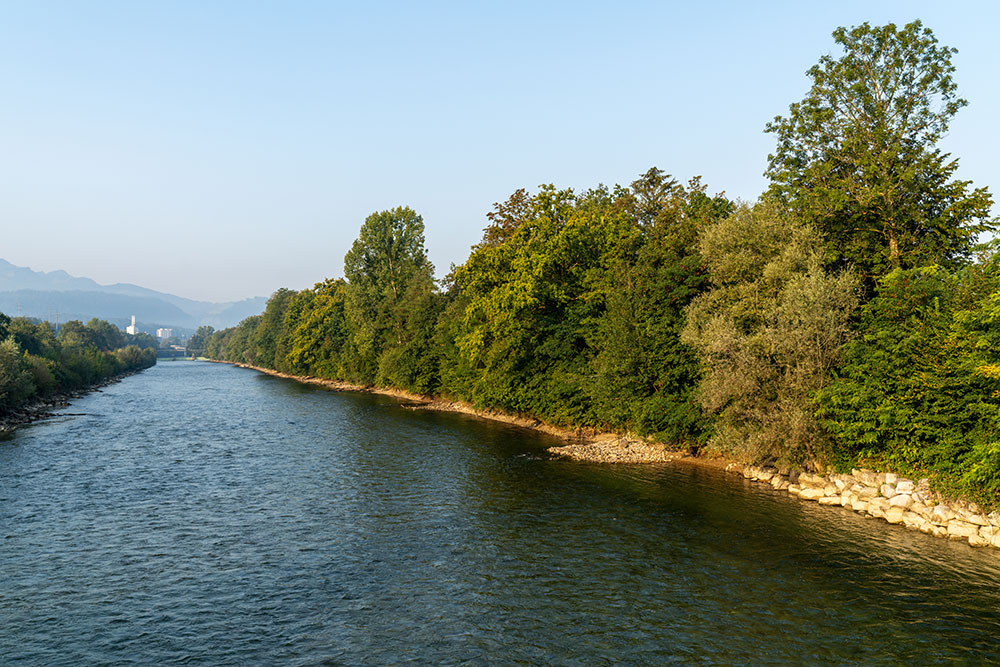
[{"x": 205, "y": 514}]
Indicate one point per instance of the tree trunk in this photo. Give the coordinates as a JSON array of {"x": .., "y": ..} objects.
[{"x": 893, "y": 249}]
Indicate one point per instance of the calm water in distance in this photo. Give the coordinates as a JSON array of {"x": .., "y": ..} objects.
[{"x": 204, "y": 514}]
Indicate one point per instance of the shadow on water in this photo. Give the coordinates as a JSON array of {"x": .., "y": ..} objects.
[{"x": 206, "y": 513}]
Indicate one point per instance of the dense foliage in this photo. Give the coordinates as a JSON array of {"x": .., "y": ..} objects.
[
  {"x": 857, "y": 157},
  {"x": 918, "y": 391},
  {"x": 37, "y": 362},
  {"x": 569, "y": 310},
  {"x": 768, "y": 332},
  {"x": 841, "y": 319}
]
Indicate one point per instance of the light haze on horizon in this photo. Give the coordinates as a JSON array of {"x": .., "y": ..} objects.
[{"x": 222, "y": 150}]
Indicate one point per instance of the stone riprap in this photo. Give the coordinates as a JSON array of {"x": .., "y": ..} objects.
[{"x": 886, "y": 496}]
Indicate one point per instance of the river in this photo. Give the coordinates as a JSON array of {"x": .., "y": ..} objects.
[{"x": 206, "y": 514}]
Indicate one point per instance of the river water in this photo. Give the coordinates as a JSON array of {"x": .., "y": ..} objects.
[{"x": 207, "y": 514}]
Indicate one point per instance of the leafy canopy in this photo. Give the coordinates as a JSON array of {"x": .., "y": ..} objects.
[{"x": 857, "y": 156}]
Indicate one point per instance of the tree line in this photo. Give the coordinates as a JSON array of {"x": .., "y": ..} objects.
[
  {"x": 846, "y": 317},
  {"x": 37, "y": 361}
]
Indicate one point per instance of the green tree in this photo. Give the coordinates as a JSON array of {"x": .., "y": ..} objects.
[
  {"x": 35, "y": 338},
  {"x": 319, "y": 332},
  {"x": 769, "y": 332},
  {"x": 646, "y": 377},
  {"x": 858, "y": 156},
  {"x": 74, "y": 334},
  {"x": 918, "y": 390},
  {"x": 196, "y": 343},
  {"x": 15, "y": 378},
  {"x": 386, "y": 258},
  {"x": 267, "y": 338},
  {"x": 106, "y": 336},
  {"x": 533, "y": 296}
]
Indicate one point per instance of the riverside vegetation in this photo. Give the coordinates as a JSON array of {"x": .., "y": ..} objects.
[
  {"x": 845, "y": 319},
  {"x": 39, "y": 364}
]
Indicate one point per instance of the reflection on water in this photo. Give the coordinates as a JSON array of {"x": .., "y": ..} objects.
[{"x": 206, "y": 513}]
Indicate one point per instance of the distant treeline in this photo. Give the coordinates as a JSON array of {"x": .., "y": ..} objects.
[
  {"x": 846, "y": 317},
  {"x": 38, "y": 362}
]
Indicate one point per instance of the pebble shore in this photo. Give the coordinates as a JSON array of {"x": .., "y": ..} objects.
[{"x": 617, "y": 449}]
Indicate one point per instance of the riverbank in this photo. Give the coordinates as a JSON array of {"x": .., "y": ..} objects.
[
  {"x": 585, "y": 444},
  {"x": 42, "y": 408},
  {"x": 878, "y": 495}
]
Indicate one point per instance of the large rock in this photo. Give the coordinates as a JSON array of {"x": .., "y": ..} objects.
[
  {"x": 887, "y": 490},
  {"x": 811, "y": 494},
  {"x": 809, "y": 480},
  {"x": 977, "y": 541},
  {"x": 913, "y": 520},
  {"x": 905, "y": 486},
  {"x": 859, "y": 505},
  {"x": 891, "y": 478},
  {"x": 962, "y": 529},
  {"x": 830, "y": 500},
  {"x": 894, "y": 514},
  {"x": 867, "y": 492},
  {"x": 977, "y": 519},
  {"x": 901, "y": 500},
  {"x": 877, "y": 507},
  {"x": 866, "y": 477},
  {"x": 942, "y": 514},
  {"x": 881, "y": 503}
]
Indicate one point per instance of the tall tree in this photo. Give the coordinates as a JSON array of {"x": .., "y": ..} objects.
[
  {"x": 386, "y": 258},
  {"x": 645, "y": 376},
  {"x": 858, "y": 156}
]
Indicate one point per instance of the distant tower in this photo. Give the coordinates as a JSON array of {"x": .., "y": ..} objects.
[{"x": 130, "y": 329}]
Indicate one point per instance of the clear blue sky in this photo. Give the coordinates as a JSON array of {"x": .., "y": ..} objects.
[{"x": 220, "y": 150}]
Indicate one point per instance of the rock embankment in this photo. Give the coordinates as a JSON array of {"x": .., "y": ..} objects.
[
  {"x": 617, "y": 449},
  {"x": 886, "y": 496}
]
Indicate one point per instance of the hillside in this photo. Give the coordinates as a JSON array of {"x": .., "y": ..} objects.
[{"x": 58, "y": 295}]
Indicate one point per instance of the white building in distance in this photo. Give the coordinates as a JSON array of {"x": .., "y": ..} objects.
[
  {"x": 130, "y": 329},
  {"x": 164, "y": 333}
]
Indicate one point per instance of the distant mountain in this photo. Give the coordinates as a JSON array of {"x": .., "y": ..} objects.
[{"x": 58, "y": 295}]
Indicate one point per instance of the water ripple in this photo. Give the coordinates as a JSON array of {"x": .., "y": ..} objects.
[{"x": 204, "y": 514}]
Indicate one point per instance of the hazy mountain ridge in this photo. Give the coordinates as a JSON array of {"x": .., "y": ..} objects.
[{"x": 53, "y": 294}]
